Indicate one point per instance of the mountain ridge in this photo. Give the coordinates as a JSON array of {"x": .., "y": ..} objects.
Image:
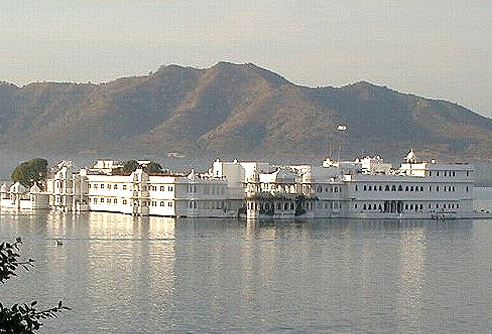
[{"x": 238, "y": 109}]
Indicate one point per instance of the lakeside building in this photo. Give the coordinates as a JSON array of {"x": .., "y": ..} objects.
[
  {"x": 19, "y": 197},
  {"x": 364, "y": 188},
  {"x": 139, "y": 193}
]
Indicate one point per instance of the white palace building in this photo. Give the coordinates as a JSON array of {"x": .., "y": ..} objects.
[{"x": 365, "y": 188}]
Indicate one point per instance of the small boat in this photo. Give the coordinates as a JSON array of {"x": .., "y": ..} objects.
[{"x": 58, "y": 242}]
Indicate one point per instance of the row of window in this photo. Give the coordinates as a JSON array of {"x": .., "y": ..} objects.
[
  {"x": 103, "y": 186},
  {"x": 279, "y": 206},
  {"x": 114, "y": 201},
  {"x": 319, "y": 189},
  {"x": 59, "y": 184},
  {"x": 207, "y": 205},
  {"x": 125, "y": 187},
  {"x": 406, "y": 188},
  {"x": 213, "y": 190},
  {"x": 446, "y": 173},
  {"x": 277, "y": 187},
  {"x": 106, "y": 200},
  {"x": 207, "y": 190},
  {"x": 291, "y": 206},
  {"x": 410, "y": 206},
  {"x": 163, "y": 188}
]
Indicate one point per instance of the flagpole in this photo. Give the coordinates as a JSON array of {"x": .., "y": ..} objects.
[{"x": 342, "y": 129}]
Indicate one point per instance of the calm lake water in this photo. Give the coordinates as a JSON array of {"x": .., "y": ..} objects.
[{"x": 156, "y": 275}]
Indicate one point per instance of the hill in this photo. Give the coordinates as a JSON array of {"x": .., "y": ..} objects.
[{"x": 235, "y": 110}]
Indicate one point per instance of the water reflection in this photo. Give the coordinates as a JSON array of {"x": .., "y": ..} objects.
[
  {"x": 107, "y": 262},
  {"x": 121, "y": 227},
  {"x": 412, "y": 257},
  {"x": 224, "y": 275}
]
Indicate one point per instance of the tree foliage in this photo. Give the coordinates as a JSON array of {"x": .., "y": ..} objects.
[
  {"x": 20, "y": 318},
  {"x": 153, "y": 167},
  {"x": 130, "y": 166},
  {"x": 31, "y": 172}
]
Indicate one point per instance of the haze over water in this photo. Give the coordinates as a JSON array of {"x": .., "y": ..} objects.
[{"x": 158, "y": 275}]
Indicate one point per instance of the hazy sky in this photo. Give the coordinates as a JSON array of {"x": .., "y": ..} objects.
[{"x": 434, "y": 48}]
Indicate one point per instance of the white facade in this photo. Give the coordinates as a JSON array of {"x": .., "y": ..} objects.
[
  {"x": 170, "y": 195},
  {"x": 138, "y": 193},
  {"x": 67, "y": 191},
  {"x": 19, "y": 198},
  {"x": 366, "y": 188}
]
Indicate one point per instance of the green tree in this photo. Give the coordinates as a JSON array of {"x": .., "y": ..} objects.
[
  {"x": 130, "y": 166},
  {"x": 153, "y": 167},
  {"x": 20, "y": 318},
  {"x": 31, "y": 172}
]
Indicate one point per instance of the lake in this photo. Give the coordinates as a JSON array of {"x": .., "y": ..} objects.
[
  {"x": 121, "y": 274},
  {"x": 482, "y": 198}
]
